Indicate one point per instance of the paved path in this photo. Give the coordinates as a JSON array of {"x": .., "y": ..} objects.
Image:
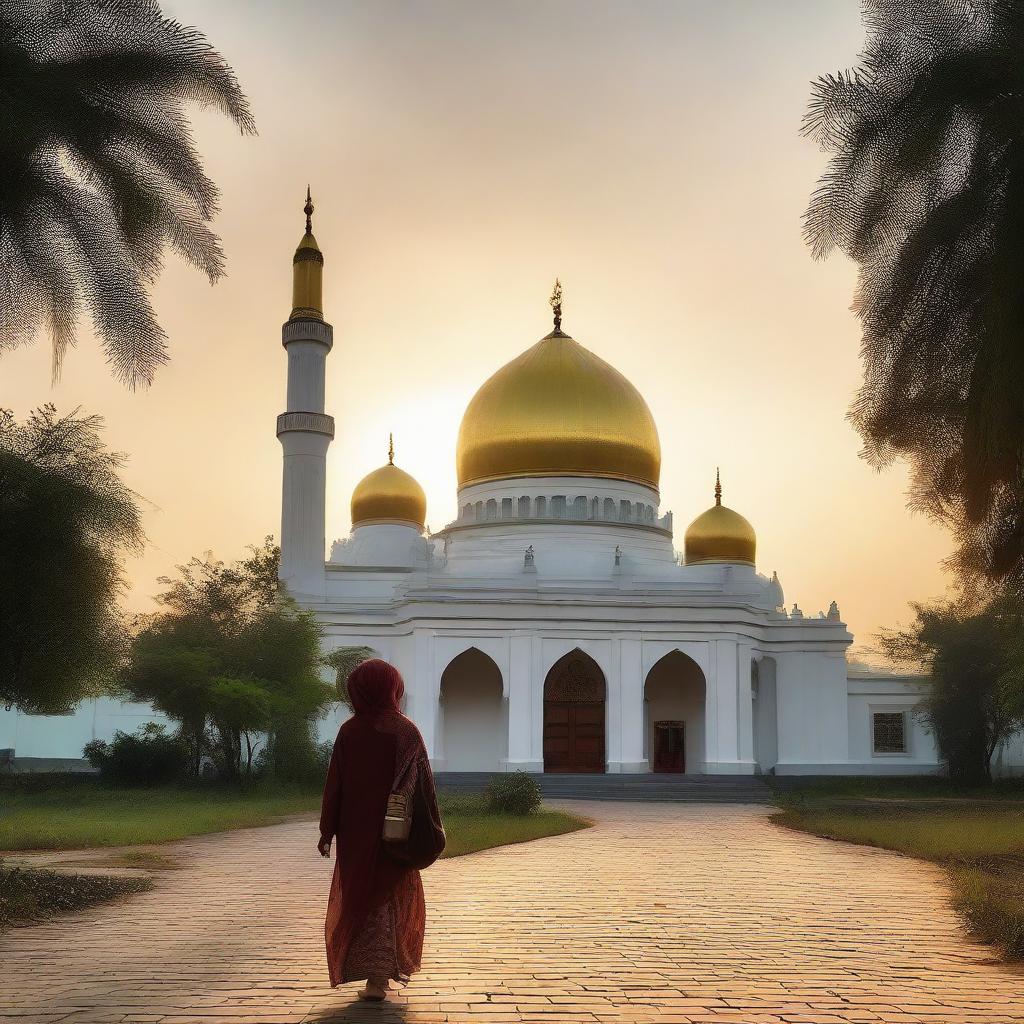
[{"x": 667, "y": 913}]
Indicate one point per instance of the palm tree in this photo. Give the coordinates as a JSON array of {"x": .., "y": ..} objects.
[
  {"x": 925, "y": 191},
  {"x": 99, "y": 171}
]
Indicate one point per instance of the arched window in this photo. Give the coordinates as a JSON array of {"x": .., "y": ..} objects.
[
  {"x": 579, "y": 507},
  {"x": 492, "y": 508},
  {"x": 524, "y": 507},
  {"x": 625, "y": 511},
  {"x": 506, "y": 508},
  {"x": 558, "y": 506},
  {"x": 542, "y": 507},
  {"x": 609, "y": 508}
]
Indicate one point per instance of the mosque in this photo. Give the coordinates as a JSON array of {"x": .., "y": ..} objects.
[{"x": 552, "y": 626}]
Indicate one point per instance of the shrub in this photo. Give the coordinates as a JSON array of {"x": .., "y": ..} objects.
[
  {"x": 149, "y": 757},
  {"x": 292, "y": 754},
  {"x": 512, "y": 793}
]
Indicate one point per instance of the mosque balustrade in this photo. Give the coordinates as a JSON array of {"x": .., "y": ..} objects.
[{"x": 579, "y": 508}]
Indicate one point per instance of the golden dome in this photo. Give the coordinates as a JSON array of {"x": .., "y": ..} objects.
[
  {"x": 720, "y": 535},
  {"x": 558, "y": 410},
  {"x": 389, "y": 495},
  {"x": 307, "y": 273}
]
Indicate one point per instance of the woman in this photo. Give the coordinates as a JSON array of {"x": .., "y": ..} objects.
[{"x": 376, "y": 913}]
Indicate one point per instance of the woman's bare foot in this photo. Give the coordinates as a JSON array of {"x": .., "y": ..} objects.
[{"x": 375, "y": 991}]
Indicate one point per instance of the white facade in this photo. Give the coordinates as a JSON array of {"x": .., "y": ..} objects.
[{"x": 476, "y": 630}]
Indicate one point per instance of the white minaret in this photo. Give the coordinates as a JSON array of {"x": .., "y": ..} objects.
[{"x": 305, "y": 430}]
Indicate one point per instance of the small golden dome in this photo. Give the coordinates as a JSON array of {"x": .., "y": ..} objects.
[
  {"x": 720, "y": 535},
  {"x": 307, "y": 273},
  {"x": 389, "y": 495},
  {"x": 558, "y": 410}
]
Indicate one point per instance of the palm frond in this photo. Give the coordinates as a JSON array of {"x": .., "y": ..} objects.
[
  {"x": 924, "y": 189},
  {"x": 99, "y": 173}
]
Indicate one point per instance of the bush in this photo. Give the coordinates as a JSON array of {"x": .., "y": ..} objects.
[
  {"x": 148, "y": 758},
  {"x": 292, "y": 754},
  {"x": 512, "y": 793}
]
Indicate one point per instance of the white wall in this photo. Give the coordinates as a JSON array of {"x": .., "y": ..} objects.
[
  {"x": 64, "y": 736},
  {"x": 328, "y": 726},
  {"x": 870, "y": 694},
  {"x": 766, "y": 726},
  {"x": 811, "y": 695}
]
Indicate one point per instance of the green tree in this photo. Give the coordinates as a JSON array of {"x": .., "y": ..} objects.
[
  {"x": 925, "y": 192},
  {"x": 974, "y": 657},
  {"x": 67, "y": 520},
  {"x": 98, "y": 170},
  {"x": 230, "y": 657},
  {"x": 343, "y": 660}
]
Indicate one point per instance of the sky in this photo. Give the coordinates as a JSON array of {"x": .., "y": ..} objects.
[{"x": 461, "y": 156}]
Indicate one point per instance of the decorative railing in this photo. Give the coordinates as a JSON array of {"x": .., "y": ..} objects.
[
  {"x": 307, "y": 330},
  {"x": 309, "y": 422},
  {"x": 562, "y": 508}
]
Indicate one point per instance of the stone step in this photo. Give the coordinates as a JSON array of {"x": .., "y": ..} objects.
[{"x": 663, "y": 788}]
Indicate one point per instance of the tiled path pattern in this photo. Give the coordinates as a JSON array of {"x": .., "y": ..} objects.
[{"x": 667, "y": 913}]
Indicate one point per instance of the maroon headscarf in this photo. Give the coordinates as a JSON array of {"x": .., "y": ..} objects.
[{"x": 375, "y": 688}]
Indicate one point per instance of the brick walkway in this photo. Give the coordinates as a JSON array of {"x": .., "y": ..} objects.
[{"x": 668, "y": 913}]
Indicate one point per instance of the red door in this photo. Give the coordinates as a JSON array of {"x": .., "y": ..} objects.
[
  {"x": 669, "y": 747},
  {"x": 574, "y": 737},
  {"x": 574, "y": 716}
]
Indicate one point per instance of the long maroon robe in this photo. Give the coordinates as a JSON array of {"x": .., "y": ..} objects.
[{"x": 376, "y": 913}]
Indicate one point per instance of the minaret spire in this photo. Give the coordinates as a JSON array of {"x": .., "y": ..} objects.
[
  {"x": 391, "y": 449},
  {"x": 308, "y": 272},
  {"x": 718, "y": 487},
  {"x": 556, "y": 305}
]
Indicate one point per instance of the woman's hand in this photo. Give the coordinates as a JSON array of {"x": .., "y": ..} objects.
[{"x": 324, "y": 846}]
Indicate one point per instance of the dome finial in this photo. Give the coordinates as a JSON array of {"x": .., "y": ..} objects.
[
  {"x": 391, "y": 449},
  {"x": 308, "y": 273},
  {"x": 718, "y": 487},
  {"x": 556, "y": 305}
]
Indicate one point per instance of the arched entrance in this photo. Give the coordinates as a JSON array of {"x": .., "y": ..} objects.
[
  {"x": 474, "y": 736},
  {"x": 574, "y": 696},
  {"x": 674, "y": 696}
]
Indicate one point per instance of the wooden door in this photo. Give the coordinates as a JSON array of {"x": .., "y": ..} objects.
[
  {"x": 574, "y": 737},
  {"x": 574, "y": 714},
  {"x": 669, "y": 747}
]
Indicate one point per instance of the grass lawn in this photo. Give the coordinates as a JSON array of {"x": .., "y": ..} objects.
[
  {"x": 76, "y": 813},
  {"x": 62, "y": 813},
  {"x": 976, "y": 835},
  {"x": 471, "y": 827}
]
